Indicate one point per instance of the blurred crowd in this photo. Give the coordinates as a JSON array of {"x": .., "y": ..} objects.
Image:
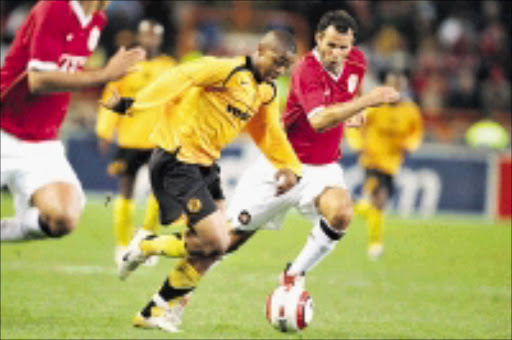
[{"x": 457, "y": 54}]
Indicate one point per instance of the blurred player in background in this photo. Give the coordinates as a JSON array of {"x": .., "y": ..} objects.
[
  {"x": 131, "y": 135},
  {"x": 43, "y": 65},
  {"x": 205, "y": 104},
  {"x": 390, "y": 132}
]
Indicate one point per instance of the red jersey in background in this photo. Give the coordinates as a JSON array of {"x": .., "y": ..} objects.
[{"x": 56, "y": 35}]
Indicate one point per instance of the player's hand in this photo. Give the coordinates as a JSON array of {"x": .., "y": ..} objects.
[
  {"x": 285, "y": 180},
  {"x": 123, "y": 62},
  {"x": 383, "y": 95},
  {"x": 120, "y": 105},
  {"x": 112, "y": 102}
]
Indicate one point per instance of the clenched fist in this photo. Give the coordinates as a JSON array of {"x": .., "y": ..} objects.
[
  {"x": 383, "y": 95},
  {"x": 285, "y": 179}
]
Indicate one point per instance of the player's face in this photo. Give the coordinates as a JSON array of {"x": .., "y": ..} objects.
[
  {"x": 274, "y": 63},
  {"x": 397, "y": 81},
  {"x": 334, "y": 47},
  {"x": 150, "y": 38}
]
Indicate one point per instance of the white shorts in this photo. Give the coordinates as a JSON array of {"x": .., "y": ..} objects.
[
  {"x": 254, "y": 204},
  {"x": 26, "y": 167}
]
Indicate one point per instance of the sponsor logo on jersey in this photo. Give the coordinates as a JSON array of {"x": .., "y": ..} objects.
[
  {"x": 237, "y": 112},
  {"x": 352, "y": 82},
  {"x": 71, "y": 63}
]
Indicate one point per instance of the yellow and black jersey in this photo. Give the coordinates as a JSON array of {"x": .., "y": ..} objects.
[
  {"x": 389, "y": 131},
  {"x": 132, "y": 132},
  {"x": 204, "y": 104}
]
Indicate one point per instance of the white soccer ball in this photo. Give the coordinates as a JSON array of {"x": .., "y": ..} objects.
[{"x": 289, "y": 309}]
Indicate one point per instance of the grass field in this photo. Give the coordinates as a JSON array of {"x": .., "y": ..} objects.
[{"x": 448, "y": 277}]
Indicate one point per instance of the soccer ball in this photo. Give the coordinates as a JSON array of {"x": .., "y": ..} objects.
[{"x": 289, "y": 309}]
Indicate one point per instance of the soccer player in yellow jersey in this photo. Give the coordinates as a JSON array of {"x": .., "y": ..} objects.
[
  {"x": 131, "y": 135},
  {"x": 390, "y": 132},
  {"x": 204, "y": 105}
]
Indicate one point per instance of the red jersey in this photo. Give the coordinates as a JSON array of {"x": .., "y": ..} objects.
[
  {"x": 57, "y": 35},
  {"x": 313, "y": 88}
]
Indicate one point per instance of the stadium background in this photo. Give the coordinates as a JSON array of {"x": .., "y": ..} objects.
[{"x": 457, "y": 55}]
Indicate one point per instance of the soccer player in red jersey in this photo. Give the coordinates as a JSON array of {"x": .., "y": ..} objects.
[
  {"x": 324, "y": 96},
  {"x": 43, "y": 65}
]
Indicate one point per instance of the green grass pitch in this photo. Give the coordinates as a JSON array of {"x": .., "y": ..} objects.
[{"x": 446, "y": 277}]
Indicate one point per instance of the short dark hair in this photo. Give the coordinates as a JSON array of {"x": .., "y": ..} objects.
[
  {"x": 384, "y": 73},
  {"x": 286, "y": 39},
  {"x": 340, "y": 19}
]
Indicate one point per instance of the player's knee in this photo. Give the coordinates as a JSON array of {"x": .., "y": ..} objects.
[
  {"x": 341, "y": 216},
  {"x": 62, "y": 223},
  {"x": 216, "y": 245}
]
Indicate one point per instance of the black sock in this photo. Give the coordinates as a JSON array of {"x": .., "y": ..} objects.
[
  {"x": 167, "y": 293},
  {"x": 331, "y": 233},
  {"x": 146, "y": 312}
]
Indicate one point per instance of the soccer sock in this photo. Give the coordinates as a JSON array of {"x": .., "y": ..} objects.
[
  {"x": 172, "y": 245},
  {"x": 27, "y": 227},
  {"x": 362, "y": 207},
  {"x": 321, "y": 241},
  {"x": 375, "y": 226},
  {"x": 123, "y": 220},
  {"x": 151, "y": 216},
  {"x": 182, "y": 280}
]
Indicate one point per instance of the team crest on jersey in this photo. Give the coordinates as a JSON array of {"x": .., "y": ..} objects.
[
  {"x": 353, "y": 79},
  {"x": 94, "y": 37}
]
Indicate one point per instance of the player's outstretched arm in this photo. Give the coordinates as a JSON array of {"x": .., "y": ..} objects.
[
  {"x": 332, "y": 115},
  {"x": 170, "y": 85},
  {"x": 56, "y": 81}
]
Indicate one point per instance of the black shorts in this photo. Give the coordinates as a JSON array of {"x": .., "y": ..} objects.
[
  {"x": 183, "y": 188},
  {"x": 376, "y": 179},
  {"x": 128, "y": 161}
]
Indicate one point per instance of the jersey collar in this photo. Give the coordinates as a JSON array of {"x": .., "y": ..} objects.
[
  {"x": 80, "y": 14},
  {"x": 332, "y": 75},
  {"x": 250, "y": 66}
]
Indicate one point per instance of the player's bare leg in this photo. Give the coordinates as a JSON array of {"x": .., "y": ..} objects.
[
  {"x": 165, "y": 309},
  {"x": 207, "y": 237},
  {"x": 335, "y": 206},
  {"x": 60, "y": 207},
  {"x": 55, "y": 212}
]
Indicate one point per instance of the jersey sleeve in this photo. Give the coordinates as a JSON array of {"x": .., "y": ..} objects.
[
  {"x": 413, "y": 140},
  {"x": 173, "y": 83},
  {"x": 47, "y": 37},
  {"x": 309, "y": 89},
  {"x": 107, "y": 121},
  {"x": 267, "y": 132}
]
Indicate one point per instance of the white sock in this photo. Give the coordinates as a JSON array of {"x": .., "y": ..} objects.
[
  {"x": 26, "y": 227},
  {"x": 321, "y": 241}
]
